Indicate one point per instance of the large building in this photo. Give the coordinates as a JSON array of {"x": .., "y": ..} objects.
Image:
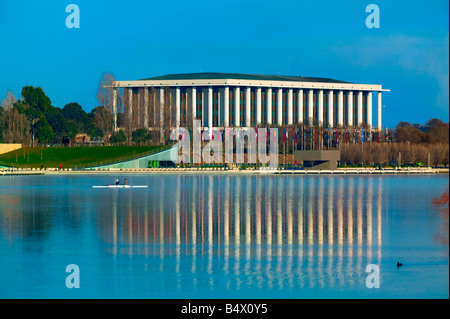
[{"x": 245, "y": 100}]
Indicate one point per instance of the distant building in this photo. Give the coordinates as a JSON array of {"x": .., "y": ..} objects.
[{"x": 245, "y": 100}]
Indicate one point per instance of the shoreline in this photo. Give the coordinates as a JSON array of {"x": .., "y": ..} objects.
[{"x": 220, "y": 171}]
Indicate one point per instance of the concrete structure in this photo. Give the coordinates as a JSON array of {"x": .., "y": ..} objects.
[
  {"x": 229, "y": 99},
  {"x": 6, "y": 148},
  {"x": 318, "y": 160}
]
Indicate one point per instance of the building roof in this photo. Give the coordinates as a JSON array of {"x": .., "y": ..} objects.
[{"x": 238, "y": 76}]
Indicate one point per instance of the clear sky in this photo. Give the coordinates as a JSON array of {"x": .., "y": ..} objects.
[{"x": 408, "y": 54}]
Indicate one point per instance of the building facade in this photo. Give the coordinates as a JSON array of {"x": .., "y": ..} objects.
[{"x": 242, "y": 100}]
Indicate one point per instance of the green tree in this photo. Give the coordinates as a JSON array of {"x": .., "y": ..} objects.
[
  {"x": 139, "y": 136},
  {"x": 36, "y": 103},
  {"x": 74, "y": 112},
  {"x": 44, "y": 131},
  {"x": 118, "y": 137}
]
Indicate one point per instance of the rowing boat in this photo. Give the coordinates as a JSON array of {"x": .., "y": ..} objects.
[{"x": 121, "y": 186}]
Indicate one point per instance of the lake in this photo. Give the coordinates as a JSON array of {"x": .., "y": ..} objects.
[{"x": 223, "y": 236}]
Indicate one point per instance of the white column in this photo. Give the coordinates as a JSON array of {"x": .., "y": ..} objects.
[
  {"x": 290, "y": 108},
  {"x": 258, "y": 105},
  {"x": 310, "y": 106},
  {"x": 330, "y": 108},
  {"x": 130, "y": 106},
  {"x": 161, "y": 111},
  {"x": 341, "y": 108},
  {"x": 320, "y": 111},
  {"x": 269, "y": 105},
  {"x": 146, "y": 107},
  {"x": 300, "y": 106},
  {"x": 114, "y": 104},
  {"x": 350, "y": 108},
  {"x": 360, "y": 108},
  {"x": 369, "y": 109},
  {"x": 379, "y": 111},
  {"x": 194, "y": 103},
  {"x": 226, "y": 102},
  {"x": 210, "y": 108},
  {"x": 237, "y": 100},
  {"x": 248, "y": 106},
  {"x": 177, "y": 106},
  {"x": 280, "y": 106}
]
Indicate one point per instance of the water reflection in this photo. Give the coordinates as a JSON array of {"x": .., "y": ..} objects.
[
  {"x": 215, "y": 233},
  {"x": 272, "y": 231}
]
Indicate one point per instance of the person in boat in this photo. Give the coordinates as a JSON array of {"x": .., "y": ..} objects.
[
  {"x": 117, "y": 182},
  {"x": 125, "y": 182}
]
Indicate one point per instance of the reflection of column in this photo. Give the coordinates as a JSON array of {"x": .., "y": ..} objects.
[
  {"x": 340, "y": 209},
  {"x": 269, "y": 212},
  {"x": 237, "y": 208},
  {"x": 280, "y": 196},
  {"x": 379, "y": 217},
  {"x": 114, "y": 220},
  {"x": 210, "y": 231},
  {"x": 330, "y": 212},
  {"x": 210, "y": 210},
  {"x": 177, "y": 214},
  {"x": 248, "y": 234},
  {"x": 258, "y": 212},
  {"x": 226, "y": 225},
  {"x": 350, "y": 212},
  {"x": 177, "y": 227},
  {"x": 369, "y": 213},
  {"x": 311, "y": 214},
  {"x": 161, "y": 227},
  {"x": 269, "y": 231},
  {"x": 359, "y": 204},
  {"x": 320, "y": 212},
  {"x": 289, "y": 209},
  {"x": 226, "y": 221},
  {"x": 300, "y": 212},
  {"x": 194, "y": 212}
]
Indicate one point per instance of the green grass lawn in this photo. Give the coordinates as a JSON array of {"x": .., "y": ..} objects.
[{"x": 70, "y": 157}]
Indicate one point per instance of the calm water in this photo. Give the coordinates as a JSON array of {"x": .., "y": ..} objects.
[{"x": 214, "y": 236}]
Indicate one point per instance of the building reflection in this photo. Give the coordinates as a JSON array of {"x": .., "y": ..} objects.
[{"x": 307, "y": 232}]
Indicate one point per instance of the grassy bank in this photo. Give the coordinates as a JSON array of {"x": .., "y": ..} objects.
[{"x": 72, "y": 157}]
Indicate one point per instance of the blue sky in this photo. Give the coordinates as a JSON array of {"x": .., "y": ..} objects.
[{"x": 408, "y": 54}]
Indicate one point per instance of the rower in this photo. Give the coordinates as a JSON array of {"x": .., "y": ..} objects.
[
  {"x": 117, "y": 182},
  {"x": 125, "y": 182}
]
